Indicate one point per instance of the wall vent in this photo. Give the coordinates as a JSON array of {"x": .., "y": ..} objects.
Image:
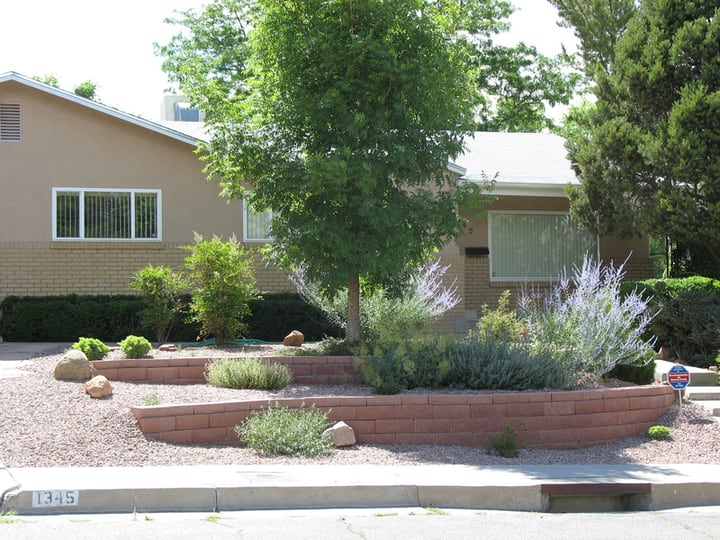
[{"x": 9, "y": 122}]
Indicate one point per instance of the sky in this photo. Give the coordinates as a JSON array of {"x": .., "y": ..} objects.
[{"x": 111, "y": 44}]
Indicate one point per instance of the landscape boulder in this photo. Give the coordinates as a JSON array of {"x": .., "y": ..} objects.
[
  {"x": 73, "y": 366},
  {"x": 167, "y": 347},
  {"x": 341, "y": 434},
  {"x": 294, "y": 339},
  {"x": 98, "y": 387}
]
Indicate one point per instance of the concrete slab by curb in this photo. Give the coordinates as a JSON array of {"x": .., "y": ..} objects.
[
  {"x": 25, "y": 351},
  {"x": 227, "y": 488},
  {"x": 698, "y": 376}
]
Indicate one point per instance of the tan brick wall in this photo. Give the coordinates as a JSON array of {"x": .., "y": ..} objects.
[{"x": 53, "y": 268}]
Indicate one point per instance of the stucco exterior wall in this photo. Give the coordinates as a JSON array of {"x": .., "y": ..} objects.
[{"x": 67, "y": 145}]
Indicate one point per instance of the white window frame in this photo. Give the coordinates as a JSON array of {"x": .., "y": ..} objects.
[
  {"x": 496, "y": 278},
  {"x": 81, "y": 201},
  {"x": 246, "y": 239}
]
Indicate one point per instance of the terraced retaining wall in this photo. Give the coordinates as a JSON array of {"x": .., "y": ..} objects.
[
  {"x": 305, "y": 369},
  {"x": 571, "y": 419}
]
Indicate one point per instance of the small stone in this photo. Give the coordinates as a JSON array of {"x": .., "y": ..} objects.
[
  {"x": 341, "y": 434},
  {"x": 98, "y": 387},
  {"x": 294, "y": 339},
  {"x": 73, "y": 366},
  {"x": 168, "y": 347}
]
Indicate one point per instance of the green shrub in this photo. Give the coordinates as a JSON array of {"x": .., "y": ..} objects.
[
  {"x": 638, "y": 374},
  {"x": 152, "y": 399},
  {"x": 93, "y": 348},
  {"x": 222, "y": 276},
  {"x": 279, "y": 430},
  {"x": 476, "y": 362},
  {"x": 687, "y": 315},
  {"x": 504, "y": 444},
  {"x": 418, "y": 363},
  {"x": 484, "y": 362},
  {"x": 502, "y": 323},
  {"x": 135, "y": 346},
  {"x": 247, "y": 373},
  {"x": 659, "y": 433},
  {"x": 384, "y": 374},
  {"x": 163, "y": 291}
]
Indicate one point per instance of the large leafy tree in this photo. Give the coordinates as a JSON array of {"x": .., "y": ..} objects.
[
  {"x": 518, "y": 84},
  {"x": 598, "y": 25},
  {"x": 648, "y": 155},
  {"x": 341, "y": 117}
]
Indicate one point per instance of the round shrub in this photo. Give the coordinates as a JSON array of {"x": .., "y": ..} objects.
[
  {"x": 135, "y": 346},
  {"x": 93, "y": 348},
  {"x": 659, "y": 433},
  {"x": 248, "y": 373},
  {"x": 280, "y": 430}
]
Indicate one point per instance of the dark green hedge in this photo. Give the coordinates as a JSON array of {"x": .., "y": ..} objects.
[
  {"x": 66, "y": 318},
  {"x": 688, "y": 315},
  {"x": 275, "y": 315},
  {"x": 112, "y": 318},
  {"x": 634, "y": 374}
]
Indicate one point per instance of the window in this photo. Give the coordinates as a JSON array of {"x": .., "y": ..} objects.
[
  {"x": 10, "y": 122},
  {"x": 257, "y": 226},
  {"x": 536, "y": 246},
  {"x": 106, "y": 214}
]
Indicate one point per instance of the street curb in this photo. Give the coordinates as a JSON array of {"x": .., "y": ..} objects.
[{"x": 230, "y": 488}]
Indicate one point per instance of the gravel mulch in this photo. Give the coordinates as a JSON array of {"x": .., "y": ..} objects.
[{"x": 45, "y": 423}]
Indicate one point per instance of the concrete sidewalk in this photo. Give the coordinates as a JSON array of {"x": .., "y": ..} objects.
[{"x": 532, "y": 488}]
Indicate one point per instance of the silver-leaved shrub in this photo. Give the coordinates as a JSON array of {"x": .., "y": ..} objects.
[
  {"x": 586, "y": 323},
  {"x": 385, "y": 316}
]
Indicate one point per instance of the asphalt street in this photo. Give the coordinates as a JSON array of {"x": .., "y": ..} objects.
[{"x": 702, "y": 523}]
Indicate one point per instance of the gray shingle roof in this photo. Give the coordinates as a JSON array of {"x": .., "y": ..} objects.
[{"x": 525, "y": 163}]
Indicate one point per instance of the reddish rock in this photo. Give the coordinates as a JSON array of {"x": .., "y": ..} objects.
[
  {"x": 294, "y": 339},
  {"x": 168, "y": 347}
]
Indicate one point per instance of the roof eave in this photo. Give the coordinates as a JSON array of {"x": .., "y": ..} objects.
[{"x": 529, "y": 189}]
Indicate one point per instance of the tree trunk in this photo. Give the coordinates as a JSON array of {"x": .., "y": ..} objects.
[{"x": 352, "y": 328}]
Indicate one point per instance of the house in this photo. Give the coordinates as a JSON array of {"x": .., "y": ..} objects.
[
  {"x": 90, "y": 194},
  {"x": 526, "y": 237}
]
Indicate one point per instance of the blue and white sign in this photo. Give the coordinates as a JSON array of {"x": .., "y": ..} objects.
[{"x": 678, "y": 377}]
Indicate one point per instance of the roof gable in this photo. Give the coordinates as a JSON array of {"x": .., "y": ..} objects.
[{"x": 99, "y": 107}]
